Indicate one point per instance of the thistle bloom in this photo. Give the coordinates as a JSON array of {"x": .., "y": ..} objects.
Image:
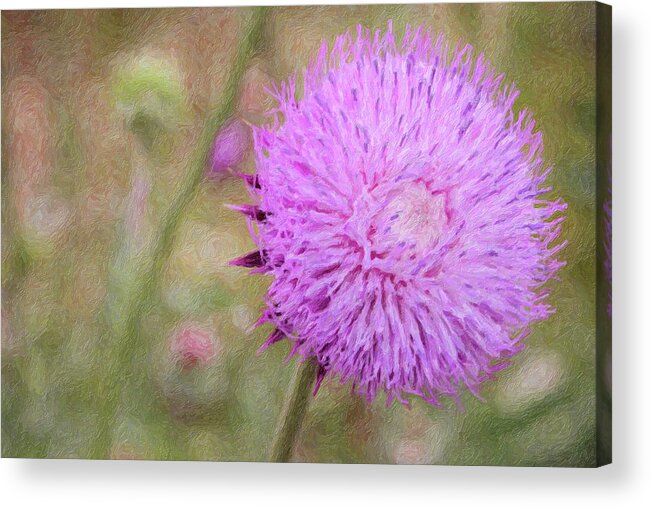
[{"x": 399, "y": 210}]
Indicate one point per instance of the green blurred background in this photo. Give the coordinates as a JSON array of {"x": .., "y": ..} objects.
[{"x": 102, "y": 110}]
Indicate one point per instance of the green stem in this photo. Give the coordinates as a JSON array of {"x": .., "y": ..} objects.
[
  {"x": 293, "y": 412},
  {"x": 122, "y": 367}
]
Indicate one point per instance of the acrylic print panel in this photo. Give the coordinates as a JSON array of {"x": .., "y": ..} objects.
[{"x": 352, "y": 234}]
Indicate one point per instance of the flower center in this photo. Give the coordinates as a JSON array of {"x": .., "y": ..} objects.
[{"x": 416, "y": 216}]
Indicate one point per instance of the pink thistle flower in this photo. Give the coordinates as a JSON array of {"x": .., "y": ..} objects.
[
  {"x": 229, "y": 147},
  {"x": 399, "y": 210},
  {"x": 192, "y": 346}
]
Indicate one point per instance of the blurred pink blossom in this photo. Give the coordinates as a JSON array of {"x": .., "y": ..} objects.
[{"x": 192, "y": 346}]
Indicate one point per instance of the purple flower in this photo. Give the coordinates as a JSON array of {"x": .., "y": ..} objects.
[
  {"x": 399, "y": 210},
  {"x": 229, "y": 147}
]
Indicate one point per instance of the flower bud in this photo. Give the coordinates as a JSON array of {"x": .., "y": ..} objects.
[{"x": 229, "y": 147}]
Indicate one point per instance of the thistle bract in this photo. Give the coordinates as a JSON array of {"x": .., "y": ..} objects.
[{"x": 399, "y": 210}]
